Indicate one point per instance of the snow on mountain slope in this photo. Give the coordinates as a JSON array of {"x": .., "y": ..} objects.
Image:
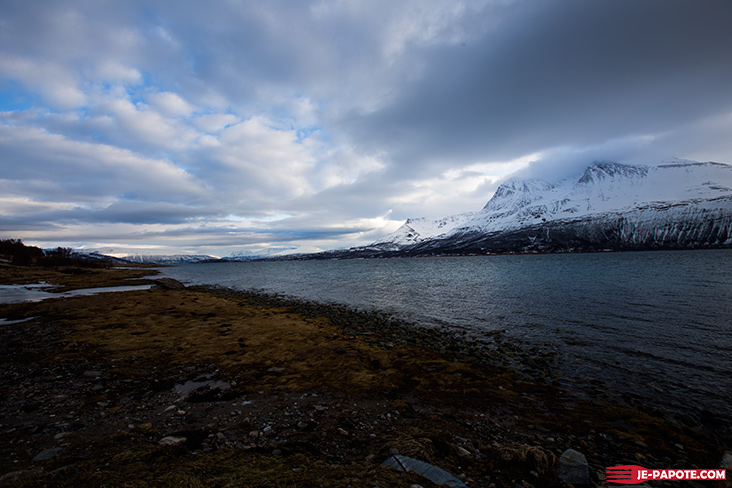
[
  {"x": 682, "y": 200},
  {"x": 604, "y": 187},
  {"x": 168, "y": 259},
  {"x": 421, "y": 229}
]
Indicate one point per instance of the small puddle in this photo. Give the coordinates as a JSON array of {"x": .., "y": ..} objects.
[
  {"x": 37, "y": 293},
  {"x": 13, "y": 322}
]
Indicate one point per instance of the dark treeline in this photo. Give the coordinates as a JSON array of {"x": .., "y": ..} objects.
[{"x": 17, "y": 253}]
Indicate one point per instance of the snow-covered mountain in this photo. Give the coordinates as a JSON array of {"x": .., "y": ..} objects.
[
  {"x": 675, "y": 205},
  {"x": 414, "y": 231},
  {"x": 168, "y": 259}
]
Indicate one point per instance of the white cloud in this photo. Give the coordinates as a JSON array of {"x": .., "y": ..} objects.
[
  {"x": 114, "y": 72},
  {"x": 139, "y": 123},
  {"x": 19, "y": 205},
  {"x": 170, "y": 104},
  {"x": 57, "y": 84},
  {"x": 84, "y": 172},
  {"x": 212, "y": 123}
]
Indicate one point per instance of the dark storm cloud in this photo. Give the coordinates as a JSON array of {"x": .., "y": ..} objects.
[{"x": 559, "y": 73}]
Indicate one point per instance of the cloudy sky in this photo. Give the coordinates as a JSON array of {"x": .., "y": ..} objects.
[{"x": 218, "y": 127}]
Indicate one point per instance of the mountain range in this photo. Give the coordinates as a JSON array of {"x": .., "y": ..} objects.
[{"x": 610, "y": 206}]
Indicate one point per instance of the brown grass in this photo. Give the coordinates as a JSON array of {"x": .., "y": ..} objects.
[{"x": 164, "y": 327}]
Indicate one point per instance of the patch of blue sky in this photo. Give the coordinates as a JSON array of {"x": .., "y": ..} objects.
[
  {"x": 14, "y": 98},
  {"x": 138, "y": 91},
  {"x": 305, "y": 133}
]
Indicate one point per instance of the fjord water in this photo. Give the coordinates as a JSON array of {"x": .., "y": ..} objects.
[{"x": 653, "y": 324}]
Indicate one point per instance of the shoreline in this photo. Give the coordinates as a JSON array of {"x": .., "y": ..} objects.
[{"x": 265, "y": 383}]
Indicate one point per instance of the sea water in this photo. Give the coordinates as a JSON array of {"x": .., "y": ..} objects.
[{"x": 654, "y": 324}]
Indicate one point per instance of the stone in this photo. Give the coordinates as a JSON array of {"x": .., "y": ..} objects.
[
  {"x": 726, "y": 464},
  {"x": 169, "y": 284},
  {"x": 463, "y": 452},
  {"x": 16, "y": 476},
  {"x": 726, "y": 460},
  {"x": 172, "y": 441},
  {"x": 527, "y": 458},
  {"x": 47, "y": 454},
  {"x": 436, "y": 475},
  {"x": 573, "y": 468}
]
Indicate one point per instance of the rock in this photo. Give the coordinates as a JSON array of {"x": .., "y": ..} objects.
[
  {"x": 573, "y": 468},
  {"x": 47, "y": 454},
  {"x": 726, "y": 464},
  {"x": 433, "y": 473},
  {"x": 521, "y": 458},
  {"x": 16, "y": 476},
  {"x": 276, "y": 370},
  {"x": 169, "y": 284},
  {"x": 172, "y": 441},
  {"x": 726, "y": 460}
]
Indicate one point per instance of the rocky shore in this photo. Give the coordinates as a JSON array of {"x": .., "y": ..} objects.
[{"x": 213, "y": 387}]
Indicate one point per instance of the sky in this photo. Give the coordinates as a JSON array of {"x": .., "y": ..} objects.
[{"x": 234, "y": 127}]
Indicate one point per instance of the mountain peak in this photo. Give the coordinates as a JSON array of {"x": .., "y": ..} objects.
[
  {"x": 516, "y": 192},
  {"x": 601, "y": 170}
]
